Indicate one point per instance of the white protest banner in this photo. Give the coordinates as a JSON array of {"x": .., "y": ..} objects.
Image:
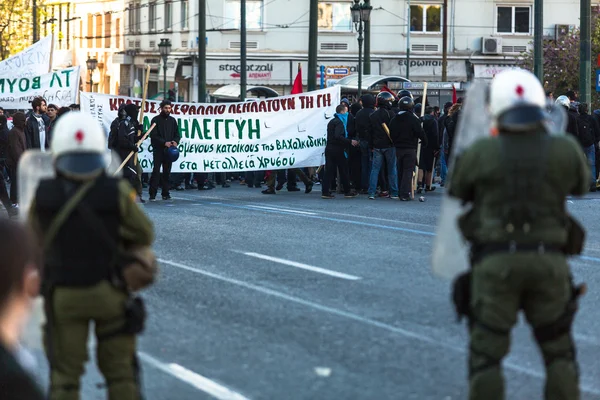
[
  {"x": 275, "y": 133},
  {"x": 58, "y": 87},
  {"x": 33, "y": 61}
]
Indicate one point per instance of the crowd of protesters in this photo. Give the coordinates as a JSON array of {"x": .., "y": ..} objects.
[{"x": 371, "y": 149}]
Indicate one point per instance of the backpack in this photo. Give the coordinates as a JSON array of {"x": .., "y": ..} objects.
[{"x": 113, "y": 135}]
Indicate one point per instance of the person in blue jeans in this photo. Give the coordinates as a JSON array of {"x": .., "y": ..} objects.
[{"x": 381, "y": 143}]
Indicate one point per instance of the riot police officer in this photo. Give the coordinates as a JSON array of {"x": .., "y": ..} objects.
[
  {"x": 520, "y": 235},
  {"x": 87, "y": 221}
]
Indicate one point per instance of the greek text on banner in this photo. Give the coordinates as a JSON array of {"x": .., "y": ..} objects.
[
  {"x": 58, "y": 87},
  {"x": 276, "y": 133}
]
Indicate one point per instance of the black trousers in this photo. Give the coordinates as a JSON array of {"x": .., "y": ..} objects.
[
  {"x": 160, "y": 161},
  {"x": 335, "y": 160},
  {"x": 406, "y": 160},
  {"x": 355, "y": 167},
  {"x": 12, "y": 174}
]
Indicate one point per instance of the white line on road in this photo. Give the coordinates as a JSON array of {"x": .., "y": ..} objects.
[
  {"x": 409, "y": 334},
  {"x": 304, "y": 266},
  {"x": 282, "y": 209},
  {"x": 206, "y": 385}
]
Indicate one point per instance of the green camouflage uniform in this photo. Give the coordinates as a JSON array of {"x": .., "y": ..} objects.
[
  {"x": 74, "y": 307},
  {"x": 517, "y": 185}
]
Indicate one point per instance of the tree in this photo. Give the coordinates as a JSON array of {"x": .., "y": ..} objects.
[
  {"x": 15, "y": 27},
  {"x": 561, "y": 61}
]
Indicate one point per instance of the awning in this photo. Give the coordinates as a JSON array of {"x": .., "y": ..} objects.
[
  {"x": 369, "y": 82},
  {"x": 232, "y": 92}
]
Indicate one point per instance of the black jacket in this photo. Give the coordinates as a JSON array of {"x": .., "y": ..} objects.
[
  {"x": 572, "y": 125},
  {"x": 15, "y": 383},
  {"x": 32, "y": 132},
  {"x": 451, "y": 123},
  {"x": 588, "y": 130},
  {"x": 363, "y": 118},
  {"x": 406, "y": 130},
  {"x": 441, "y": 126},
  {"x": 351, "y": 126},
  {"x": 430, "y": 126},
  {"x": 336, "y": 135},
  {"x": 379, "y": 138},
  {"x": 126, "y": 137},
  {"x": 166, "y": 130}
]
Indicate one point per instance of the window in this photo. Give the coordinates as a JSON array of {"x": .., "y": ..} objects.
[
  {"x": 98, "y": 31},
  {"x": 184, "y": 14},
  {"x": 131, "y": 18},
  {"x": 512, "y": 19},
  {"x": 426, "y": 18},
  {"x": 335, "y": 16},
  {"x": 254, "y": 14},
  {"x": 138, "y": 16},
  {"x": 152, "y": 16},
  {"x": 168, "y": 16},
  {"x": 118, "y": 33},
  {"x": 107, "y": 29},
  {"x": 90, "y": 31}
]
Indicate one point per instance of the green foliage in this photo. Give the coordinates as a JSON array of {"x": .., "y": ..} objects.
[{"x": 561, "y": 62}]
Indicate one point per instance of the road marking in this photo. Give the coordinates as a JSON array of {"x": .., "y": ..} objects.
[
  {"x": 196, "y": 380},
  {"x": 409, "y": 334},
  {"x": 282, "y": 209},
  {"x": 347, "y": 221},
  {"x": 304, "y": 266}
]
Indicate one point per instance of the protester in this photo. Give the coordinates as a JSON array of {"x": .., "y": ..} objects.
[
  {"x": 36, "y": 134},
  {"x": 336, "y": 153},
  {"x": 363, "y": 130},
  {"x": 16, "y": 147},
  {"x": 19, "y": 285},
  {"x": 165, "y": 135}
]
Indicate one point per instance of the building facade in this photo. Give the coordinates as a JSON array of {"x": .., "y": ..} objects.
[
  {"x": 87, "y": 29},
  {"x": 484, "y": 37}
]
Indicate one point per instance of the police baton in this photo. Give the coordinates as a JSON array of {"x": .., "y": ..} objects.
[{"x": 133, "y": 152}]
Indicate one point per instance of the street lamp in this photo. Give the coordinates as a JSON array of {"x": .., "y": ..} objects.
[
  {"x": 361, "y": 13},
  {"x": 92, "y": 64},
  {"x": 165, "y": 49}
]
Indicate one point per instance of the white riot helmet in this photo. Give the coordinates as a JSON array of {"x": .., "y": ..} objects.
[
  {"x": 78, "y": 146},
  {"x": 563, "y": 101},
  {"x": 517, "y": 100}
]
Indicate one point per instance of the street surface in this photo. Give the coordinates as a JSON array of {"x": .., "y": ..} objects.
[{"x": 289, "y": 296}]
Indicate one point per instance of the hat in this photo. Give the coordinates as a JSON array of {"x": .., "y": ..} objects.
[{"x": 165, "y": 103}]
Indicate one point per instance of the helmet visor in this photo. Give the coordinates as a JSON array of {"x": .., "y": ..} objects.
[
  {"x": 521, "y": 118},
  {"x": 80, "y": 165}
]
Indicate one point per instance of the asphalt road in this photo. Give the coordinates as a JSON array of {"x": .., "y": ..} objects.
[{"x": 294, "y": 297}]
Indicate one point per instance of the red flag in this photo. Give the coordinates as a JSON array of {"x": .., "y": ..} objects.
[
  {"x": 297, "y": 88},
  {"x": 387, "y": 89},
  {"x": 454, "y": 98}
]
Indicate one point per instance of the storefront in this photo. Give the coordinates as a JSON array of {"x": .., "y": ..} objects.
[{"x": 425, "y": 70}]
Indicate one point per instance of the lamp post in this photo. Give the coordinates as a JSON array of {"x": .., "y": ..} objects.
[
  {"x": 91, "y": 64},
  {"x": 165, "y": 49},
  {"x": 361, "y": 13}
]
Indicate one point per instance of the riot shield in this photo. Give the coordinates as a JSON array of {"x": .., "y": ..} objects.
[
  {"x": 556, "y": 123},
  {"x": 34, "y": 166},
  {"x": 450, "y": 250}
]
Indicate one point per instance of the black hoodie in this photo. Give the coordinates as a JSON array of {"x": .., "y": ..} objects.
[
  {"x": 406, "y": 130},
  {"x": 379, "y": 138},
  {"x": 362, "y": 120}
]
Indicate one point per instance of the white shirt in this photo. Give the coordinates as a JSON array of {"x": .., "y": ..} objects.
[{"x": 42, "y": 129}]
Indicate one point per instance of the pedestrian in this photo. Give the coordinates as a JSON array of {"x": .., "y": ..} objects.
[
  {"x": 520, "y": 235},
  {"x": 429, "y": 151},
  {"x": 589, "y": 136},
  {"x": 19, "y": 285},
  {"x": 17, "y": 145},
  {"x": 443, "y": 140},
  {"x": 450, "y": 124},
  {"x": 308, "y": 185},
  {"x": 363, "y": 130},
  {"x": 51, "y": 113},
  {"x": 36, "y": 134},
  {"x": 4, "y": 197},
  {"x": 382, "y": 146},
  {"x": 406, "y": 131},
  {"x": 572, "y": 117},
  {"x": 127, "y": 137},
  {"x": 337, "y": 152},
  {"x": 165, "y": 134},
  {"x": 90, "y": 230}
]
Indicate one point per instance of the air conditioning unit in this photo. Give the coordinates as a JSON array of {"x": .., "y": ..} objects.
[
  {"x": 561, "y": 31},
  {"x": 491, "y": 45}
]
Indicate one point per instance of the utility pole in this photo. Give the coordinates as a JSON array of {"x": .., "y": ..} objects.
[
  {"x": 202, "y": 51},
  {"x": 35, "y": 22},
  {"x": 367, "y": 28},
  {"x": 585, "y": 53},
  {"x": 313, "y": 39},
  {"x": 445, "y": 42},
  {"x": 538, "y": 42},
  {"x": 243, "y": 68},
  {"x": 408, "y": 42}
]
